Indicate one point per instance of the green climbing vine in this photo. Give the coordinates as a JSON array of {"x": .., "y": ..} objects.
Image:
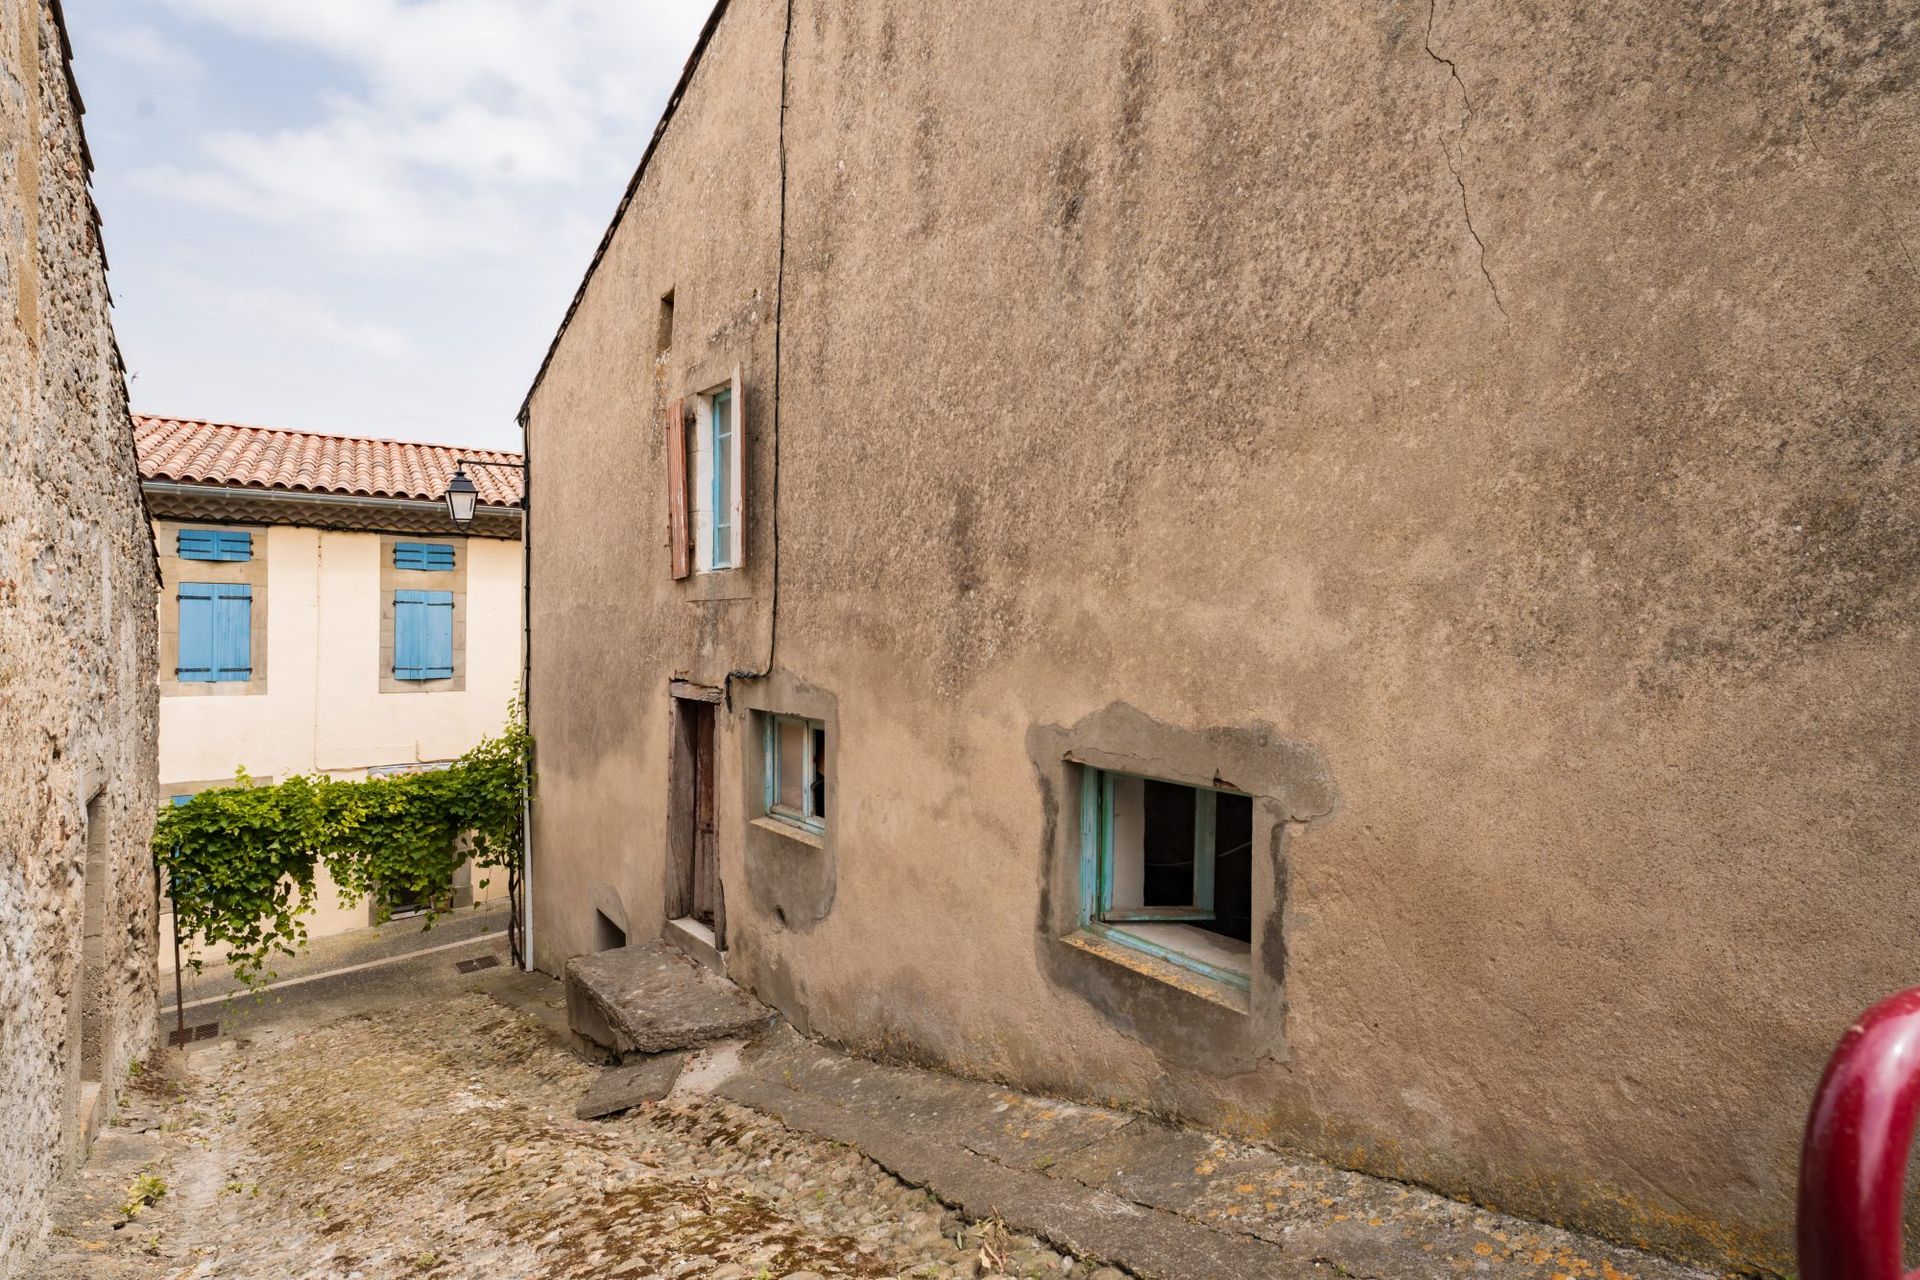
[{"x": 240, "y": 861}]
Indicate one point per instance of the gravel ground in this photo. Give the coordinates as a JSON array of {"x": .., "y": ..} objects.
[{"x": 437, "y": 1139}]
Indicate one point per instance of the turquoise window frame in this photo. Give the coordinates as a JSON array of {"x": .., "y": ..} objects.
[
  {"x": 803, "y": 817},
  {"x": 720, "y": 443},
  {"x": 1098, "y": 915}
]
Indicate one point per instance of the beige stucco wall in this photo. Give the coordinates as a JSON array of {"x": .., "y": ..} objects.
[
  {"x": 77, "y": 656},
  {"x": 325, "y": 706},
  {"x": 1491, "y": 426}
]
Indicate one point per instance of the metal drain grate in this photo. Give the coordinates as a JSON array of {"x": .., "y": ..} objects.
[
  {"x": 476, "y": 964},
  {"x": 205, "y": 1031}
]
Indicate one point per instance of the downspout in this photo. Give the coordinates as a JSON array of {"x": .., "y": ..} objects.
[{"x": 526, "y": 687}]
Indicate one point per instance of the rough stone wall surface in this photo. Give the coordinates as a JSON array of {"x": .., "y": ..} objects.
[
  {"x": 1505, "y": 407},
  {"x": 78, "y": 699}
]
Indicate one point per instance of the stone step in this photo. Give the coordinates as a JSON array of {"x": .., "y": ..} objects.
[{"x": 651, "y": 998}]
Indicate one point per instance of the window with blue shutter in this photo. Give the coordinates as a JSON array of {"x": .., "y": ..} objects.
[
  {"x": 215, "y": 544},
  {"x": 423, "y": 635},
  {"x": 430, "y": 557},
  {"x": 216, "y": 632}
]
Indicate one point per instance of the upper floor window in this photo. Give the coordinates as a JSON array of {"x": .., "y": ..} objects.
[
  {"x": 216, "y": 632},
  {"x": 214, "y": 544},
  {"x": 423, "y": 557},
  {"x": 423, "y": 635},
  {"x": 706, "y": 463}
]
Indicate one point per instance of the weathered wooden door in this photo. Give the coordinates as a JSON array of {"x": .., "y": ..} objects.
[
  {"x": 693, "y": 861},
  {"x": 706, "y": 870}
]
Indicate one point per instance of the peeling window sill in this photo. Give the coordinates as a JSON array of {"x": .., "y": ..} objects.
[
  {"x": 1116, "y": 947},
  {"x": 786, "y": 830}
]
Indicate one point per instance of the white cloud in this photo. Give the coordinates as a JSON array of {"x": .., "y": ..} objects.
[
  {"x": 145, "y": 50},
  {"x": 460, "y": 118},
  {"x": 304, "y": 317}
]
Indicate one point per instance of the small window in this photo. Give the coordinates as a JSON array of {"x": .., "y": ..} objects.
[
  {"x": 796, "y": 763},
  {"x": 423, "y": 557},
  {"x": 710, "y": 443},
  {"x": 720, "y": 422},
  {"x": 423, "y": 635},
  {"x": 1172, "y": 870},
  {"x": 216, "y": 633},
  {"x": 664, "y": 335},
  {"x": 215, "y": 544}
]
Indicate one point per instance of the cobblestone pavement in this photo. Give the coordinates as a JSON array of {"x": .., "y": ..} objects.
[{"x": 437, "y": 1139}]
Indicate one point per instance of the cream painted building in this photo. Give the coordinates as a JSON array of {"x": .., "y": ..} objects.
[{"x": 320, "y": 613}]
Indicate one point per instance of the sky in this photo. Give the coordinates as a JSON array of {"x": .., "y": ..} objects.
[{"x": 361, "y": 216}]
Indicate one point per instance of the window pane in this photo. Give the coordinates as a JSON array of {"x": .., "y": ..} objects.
[
  {"x": 1233, "y": 868},
  {"x": 790, "y": 747},
  {"x": 722, "y": 479},
  {"x": 1166, "y": 846},
  {"x": 818, "y": 737}
]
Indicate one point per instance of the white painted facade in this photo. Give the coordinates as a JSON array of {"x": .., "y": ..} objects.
[{"x": 323, "y": 709}]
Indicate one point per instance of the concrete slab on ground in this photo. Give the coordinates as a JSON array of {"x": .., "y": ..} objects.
[
  {"x": 625, "y": 1087},
  {"x": 651, "y": 998},
  {"x": 1161, "y": 1202}
]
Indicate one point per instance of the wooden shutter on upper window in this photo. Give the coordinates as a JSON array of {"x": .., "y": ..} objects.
[
  {"x": 679, "y": 531},
  {"x": 737, "y": 495}
]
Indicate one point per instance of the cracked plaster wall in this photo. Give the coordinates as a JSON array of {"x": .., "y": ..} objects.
[
  {"x": 1510, "y": 402},
  {"x": 78, "y": 693}
]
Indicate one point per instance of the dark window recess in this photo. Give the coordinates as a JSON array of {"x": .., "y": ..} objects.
[
  {"x": 1232, "y": 868},
  {"x": 819, "y": 748},
  {"x": 1167, "y": 849},
  {"x": 607, "y": 936},
  {"x": 665, "y": 333}
]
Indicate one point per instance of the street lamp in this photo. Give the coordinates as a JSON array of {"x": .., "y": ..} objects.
[{"x": 461, "y": 498}]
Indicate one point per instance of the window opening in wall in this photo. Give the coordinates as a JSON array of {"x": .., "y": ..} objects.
[
  {"x": 423, "y": 635},
  {"x": 721, "y": 422},
  {"x": 607, "y": 936},
  {"x": 796, "y": 764},
  {"x": 423, "y": 557},
  {"x": 664, "y": 334},
  {"x": 1171, "y": 870},
  {"x": 216, "y": 633},
  {"x": 214, "y": 544}
]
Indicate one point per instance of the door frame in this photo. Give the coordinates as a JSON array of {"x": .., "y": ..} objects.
[{"x": 691, "y": 704}]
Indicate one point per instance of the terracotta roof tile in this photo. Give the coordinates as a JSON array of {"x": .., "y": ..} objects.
[{"x": 193, "y": 452}]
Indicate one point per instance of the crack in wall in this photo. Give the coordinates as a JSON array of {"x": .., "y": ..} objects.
[{"x": 1453, "y": 167}]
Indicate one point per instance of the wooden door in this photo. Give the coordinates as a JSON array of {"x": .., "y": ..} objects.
[{"x": 706, "y": 871}]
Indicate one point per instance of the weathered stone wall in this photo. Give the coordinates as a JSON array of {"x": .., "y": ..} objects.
[
  {"x": 78, "y": 698},
  {"x": 1498, "y": 415}
]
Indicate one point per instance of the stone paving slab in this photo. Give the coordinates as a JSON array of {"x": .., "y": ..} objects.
[
  {"x": 650, "y": 998},
  {"x": 1163, "y": 1202},
  {"x": 625, "y": 1087}
]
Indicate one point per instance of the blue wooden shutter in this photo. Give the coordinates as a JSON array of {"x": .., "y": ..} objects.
[
  {"x": 232, "y": 632},
  {"x": 196, "y": 632},
  {"x": 215, "y": 544},
  {"x": 434, "y": 557},
  {"x": 423, "y": 635}
]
